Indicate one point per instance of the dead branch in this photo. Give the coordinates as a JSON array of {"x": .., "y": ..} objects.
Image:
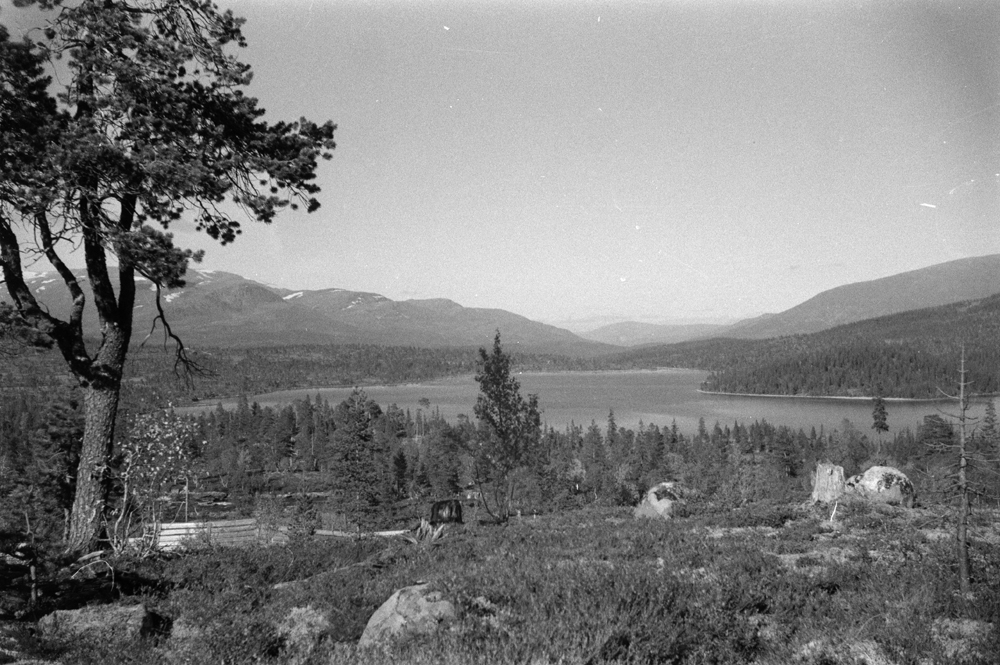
[{"x": 185, "y": 367}]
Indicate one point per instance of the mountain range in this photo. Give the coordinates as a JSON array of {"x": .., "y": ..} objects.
[
  {"x": 955, "y": 281},
  {"x": 635, "y": 333},
  {"x": 941, "y": 284},
  {"x": 219, "y": 309}
]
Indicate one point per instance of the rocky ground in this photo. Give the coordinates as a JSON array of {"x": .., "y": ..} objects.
[{"x": 759, "y": 584}]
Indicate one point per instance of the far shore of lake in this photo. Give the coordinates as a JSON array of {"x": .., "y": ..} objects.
[
  {"x": 449, "y": 378},
  {"x": 850, "y": 398}
]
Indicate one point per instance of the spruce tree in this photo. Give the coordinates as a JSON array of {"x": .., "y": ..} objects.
[
  {"x": 361, "y": 468},
  {"x": 880, "y": 420},
  {"x": 990, "y": 430}
]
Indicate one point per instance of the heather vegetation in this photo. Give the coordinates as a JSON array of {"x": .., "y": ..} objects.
[{"x": 766, "y": 583}]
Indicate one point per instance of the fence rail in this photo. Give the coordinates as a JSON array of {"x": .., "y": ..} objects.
[
  {"x": 229, "y": 533},
  {"x": 238, "y": 533}
]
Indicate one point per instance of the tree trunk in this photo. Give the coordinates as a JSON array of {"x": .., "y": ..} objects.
[
  {"x": 100, "y": 398},
  {"x": 91, "y": 483},
  {"x": 963, "y": 488},
  {"x": 964, "y": 581}
]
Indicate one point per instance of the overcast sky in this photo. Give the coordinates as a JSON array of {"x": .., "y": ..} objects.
[{"x": 649, "y": 160}]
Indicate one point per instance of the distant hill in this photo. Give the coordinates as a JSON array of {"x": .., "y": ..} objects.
[
  {"x": 954, "y": 281},
  {"x": 219, "y": 309},
  {"x": 910, "y": 354},
  {"x": 633, "y": 333}
]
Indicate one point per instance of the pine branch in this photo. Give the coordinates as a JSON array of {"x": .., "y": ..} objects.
[{"x": 185, "y": 367}]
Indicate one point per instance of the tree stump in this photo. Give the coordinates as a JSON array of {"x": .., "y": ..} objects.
[{"x": 828, "y": 483}]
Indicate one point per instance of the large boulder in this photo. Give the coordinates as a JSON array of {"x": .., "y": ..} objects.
[
  {"x": 661, "y": 501},
  {"x": 104, "y": 622},
  {"x": 882, "y": 484},
  {"x": 828, "y": 483},
  {"x": 413, "y": 610}
]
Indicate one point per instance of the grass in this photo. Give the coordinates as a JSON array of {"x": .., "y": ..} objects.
[{"x": 585, "y": 586}]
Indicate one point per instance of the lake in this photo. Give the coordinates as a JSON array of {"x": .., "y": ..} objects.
[{"x": 649, "y": 396}]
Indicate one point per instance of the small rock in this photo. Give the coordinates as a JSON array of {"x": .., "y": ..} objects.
[
  {"x": 768, "y": 630},
  {"x": 109, "y": 622},
  {"x": 958, "y": 637},
  {"x": 301, "y": 629},
  {"x": 413, "y": 610},
  {"x": 827, "y": 652},
  {"x": 660, "y": 502},
  {"x": 490, "y": 613}
]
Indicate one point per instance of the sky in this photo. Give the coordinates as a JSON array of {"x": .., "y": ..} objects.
[{"x": 672, "y": 161}]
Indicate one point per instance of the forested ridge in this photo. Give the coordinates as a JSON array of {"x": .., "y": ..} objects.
[
  {"x": 907, "y": 355},
  {"x": 229, "y": 372}
]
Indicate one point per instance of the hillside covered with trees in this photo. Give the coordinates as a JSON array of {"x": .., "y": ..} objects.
[
  {"x": 908, "y": 355},
  {"x": 230, "y": 372}
]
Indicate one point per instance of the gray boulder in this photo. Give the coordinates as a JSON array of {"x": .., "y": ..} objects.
[
  {"x": 882, "y": 484},
  {"x": 413, "y": 610},
  {"x": 661, "y": 501},
  {"x": 105, "y": 622}
]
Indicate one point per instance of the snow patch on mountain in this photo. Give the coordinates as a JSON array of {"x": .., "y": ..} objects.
[
  {"x": 290, "y": 296},
  {"x": 362, "y": 299}
]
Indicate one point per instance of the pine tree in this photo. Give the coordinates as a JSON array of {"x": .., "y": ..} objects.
[
  {"x": 510, "y": 426},
  {"x": 146, "y": 127}
]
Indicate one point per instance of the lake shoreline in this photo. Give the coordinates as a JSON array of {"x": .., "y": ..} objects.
[
  {"x": 440, "y": 380},
  {"x": 634, "y": 396},
  {"x": 846, "y": 398}
]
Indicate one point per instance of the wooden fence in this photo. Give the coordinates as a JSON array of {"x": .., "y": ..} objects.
[
  {"x": 238, "y": 533},
  {"x": 228, "y": 533}
]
